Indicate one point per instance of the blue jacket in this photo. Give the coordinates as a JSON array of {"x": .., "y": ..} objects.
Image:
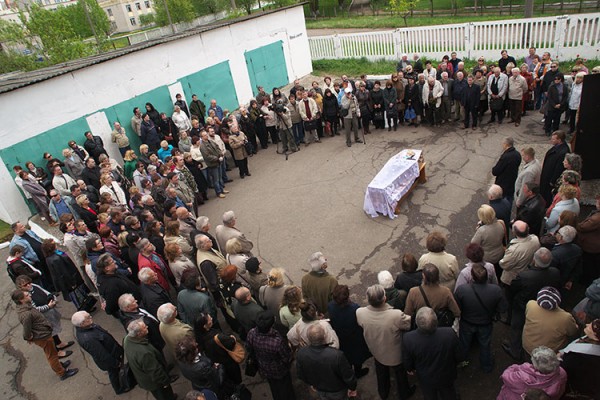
[
  {"x": 54, "y": 212},
  {"x": 29, "y": 253}
]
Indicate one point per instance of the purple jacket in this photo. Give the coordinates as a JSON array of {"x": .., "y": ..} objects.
[{"x": 518, "y": 378}]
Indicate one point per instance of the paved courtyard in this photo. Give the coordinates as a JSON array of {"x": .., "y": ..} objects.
[{"x": 312, "y": 201}]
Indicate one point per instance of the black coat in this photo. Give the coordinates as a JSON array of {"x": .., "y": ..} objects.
[
  {"x": 90, "y": 219},
  {"x": 201, "y": 373},
  {"x": 458, "y": 89},
  {"x": 344, "y": 323},
  {"x": 412, "y": 98},
  {"x": 470, "y": 97},
  {"x": 95, "y": 147},
  {"x": 91, "y": 177},
  {"x": 111, "y": 287},
  {"x": 502, "y": 208},
  {"x": 154, "y": 336},
  {"x": 154, "y": 296},
  {"x": 532, "y": 212},
  {"x": 551, "y": 169},
  {"x": 64, "y": 273},
  {"x": 325, "y": 368},
  {"x": 433, "y": 356},
  {"x": 566, "y": 258},
  {"x": 194, "y": 167},
  {"x": 553, "y": 98},
  {"x": 330, "y": 106},
  {"x": 104, "y": 349},
  {"x": 18, "y": 267},
  {"x": 506, "y": 170},
  {"x": 528, "y": 283},
  {"x": 408, "y": 280}
]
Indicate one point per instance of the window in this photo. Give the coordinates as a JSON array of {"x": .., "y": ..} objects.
[
  {"x": 147, "y": 3},
  {"x": 109, "y": 12},
  {"x": 137, "y": 6},
  {"x": 128, "y": 7},
  {"x": 132, "y": 21}
]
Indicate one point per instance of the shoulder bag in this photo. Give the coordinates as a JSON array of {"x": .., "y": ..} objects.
[
  {"x": 444, "y": 315},
  {"x": 237, "y": 354}
]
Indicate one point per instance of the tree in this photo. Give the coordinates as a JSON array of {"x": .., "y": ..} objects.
[
  {"x": 403, "y": 8},
  {"x": 205, "y": 7},
  {"x": 79, "y": 22},
  {"x": 59, "y": 42},
  {"x": 17, "y": 52},
  {"x": 147, "y": 19},
  {"x": 180, "y": 10},
  {"x": 246, "y": 5}
]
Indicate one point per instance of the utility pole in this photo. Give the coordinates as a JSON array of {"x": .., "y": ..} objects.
[
  {"x": 169, "y": 17},
  {"x": 92, "y": 27}
]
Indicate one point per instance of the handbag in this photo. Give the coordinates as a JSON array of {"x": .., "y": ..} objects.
[
  {"x": 344, "y": 112},
  {"x": 444, "y": 315},
  {"x": 251, "y": 365},
  {"x": 496, "y": 104},
  {"x": 410, "y": 113},
  {"x": 126, "y": 379},
  {"x": 310, "y": 125},
  {"x": 378, "y": 115},
  {"x": 237, "y": 354}
]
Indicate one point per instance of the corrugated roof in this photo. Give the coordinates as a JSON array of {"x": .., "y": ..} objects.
[{"x": 13, "y": 81}]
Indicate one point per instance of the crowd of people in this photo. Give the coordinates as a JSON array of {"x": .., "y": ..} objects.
[{"x": 135, "y": 240}]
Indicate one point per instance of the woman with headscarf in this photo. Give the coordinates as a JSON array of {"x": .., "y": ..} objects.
[{"x": 153, "y": 114}]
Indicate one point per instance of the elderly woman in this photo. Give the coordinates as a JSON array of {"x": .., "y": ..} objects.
[
  {"x": 392, "y": 296},
  {"x": 236, "y": 254},
  {"x": 197, "y": 367},
  {"x": 181, "y": 120},
  {"x": 164, "y": 152},
  {"x": 298, "y": 334},
  {"x": 271, "y": 295},
  {"x": 447, "y": 263},
  {"x": 73, "y": 163},
  {"x": 64, "y": 273},
  {"x": 568, "y": 202},
  {"x": 342, "y": 315},
  {"x": 113, "y": 189},
  {"x": 490, "y": 234},
  {"x": 568, "y": 177},
  {"x": 582, "y": 356},
  {"x": 172, "y": 236},
  {"x": 475, "y": 254},
  {"x": 129, "y": 163},
  {"x": 177, "y": 261},
  {"x": 543, "y": 373},
  {"x": 289, "y": 313}
]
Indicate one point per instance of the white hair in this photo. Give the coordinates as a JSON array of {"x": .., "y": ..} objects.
[
  {"x": 385, "y": 279},
  {"x": 201, "y": 222},
  {"x": 568, "y": 233},
  {"x": 125, "y": 300},
  {"x": 78, "y": 318},
  {"x": 444, "y": 74},
  {"x": 146, "y": 198},
  {"x": 426, "y": 320},
  {"x": 544, "y": 359},
  {"x": 134, "y": 329},
  {"x": 145, "y": 275},
  {"x": 459, "y": 73},
  {"x": 228, "y": 217},
  {"x": 166, "y": 313},
  {"x": 316, "y": 261},
  {"x": 494, "y": 192}
]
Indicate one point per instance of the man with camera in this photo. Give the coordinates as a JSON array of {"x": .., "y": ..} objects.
[
  {"x": 284, "y": 127},
  {"x": 351, "y": 113}
]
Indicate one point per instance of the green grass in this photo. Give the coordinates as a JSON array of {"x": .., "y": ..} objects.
[
  {"x": 356, "y": 66},
  {"x": 5, "y": 231},
  {"x": 389, "y": 21}
]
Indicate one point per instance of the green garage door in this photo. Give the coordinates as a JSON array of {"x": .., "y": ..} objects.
[
  {"x": 266, "y": 67},
  {"x": 214, "y": 82}
]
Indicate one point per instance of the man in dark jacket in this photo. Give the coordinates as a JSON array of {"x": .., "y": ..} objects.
[
  {"x": 478, "y": 303},
  {"x": 112, "y": 285},
  {"x": 524, "y": 288},
  {"x": 198, "y": 109},
  {"x": 147, "y": 363},
  {"x": 470, "y": 101},
  {"x": 37, "y": 329},
  {"x": 533, "y": 209},
  {"x": 459, "y": 86},
  {"x": 557, "y": 101},
  {"x": 150, "y": 135},
  {"x": 104, "y": 349},
  {"x": 506, "y": 169},
  {"x": 433, "y": 354},
  {"x": 553, "y": 165},
  {"x": 94, "y": 146},
  {"x": 130, "y": 310},
  {"x": 566, "y": 257},
  {"x": 500, "y": 205},
  {"x": 91, "y": 173},
  {"x": 325, "y": 368},
  {"x": 246, "y": 310},
  {"x": 153, "y": 294}
]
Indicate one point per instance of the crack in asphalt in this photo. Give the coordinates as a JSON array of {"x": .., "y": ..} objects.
[{"x": 16, "y": 375}]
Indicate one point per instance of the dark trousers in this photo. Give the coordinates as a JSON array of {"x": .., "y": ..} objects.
[
  {"x": 483, "y": 334},
  {"x": 163, "y": 393},
  {"x": 516, "y": 107},
  {"x": 383, "y": 380},
  {"x": 333, "y": 121},
  {"x": 517, "y": 322},
  {"x": 261, "y": 132},
  {"x": 242, "y": 166},
  {"x": 433, "y": 115},
  {"x": 282, "y": 389},
  {"x": 591, "y": 267},
  {"x": 552, "y": 121},
  {"x": 572, "y": 115},
  {"x": 438, "y": 391},
  {"x": 471, "y": 116},
  {"x": 272, "y": 130},
  {"x": 113, "y": 377},
  {"x": 500, "y": 115},
  {"x": 365, "y": 119}
]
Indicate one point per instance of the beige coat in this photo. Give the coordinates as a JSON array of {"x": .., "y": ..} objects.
[
  {"x": 517, "y": 87},
  {"x": 224, "y": 233},
  {"x": 531, "y": 172},
  {"x": 237, "y": 143},
  {"x": 518, "y": 257},
  {"x": 312, "y": 105},
  {"x": 446, "y": 263},
  {"x": 173, "y": 333},
  {"x": 547, "y": 328},
  {"x": 212, "y": 255},
  {"x": 383, "y": 328}
]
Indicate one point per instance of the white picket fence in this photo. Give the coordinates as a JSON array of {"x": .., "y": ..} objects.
[{"x": 565, "y": 37}]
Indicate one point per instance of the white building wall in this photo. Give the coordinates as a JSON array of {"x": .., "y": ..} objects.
[{"x": 83, "y": 92}]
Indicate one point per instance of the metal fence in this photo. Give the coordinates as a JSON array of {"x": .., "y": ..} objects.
[{"x": 565, "y": 37}]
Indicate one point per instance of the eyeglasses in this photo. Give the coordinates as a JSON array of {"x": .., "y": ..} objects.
[
  {"x": 53, "y": 195},
  {"x": 554, "y": 66}
]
